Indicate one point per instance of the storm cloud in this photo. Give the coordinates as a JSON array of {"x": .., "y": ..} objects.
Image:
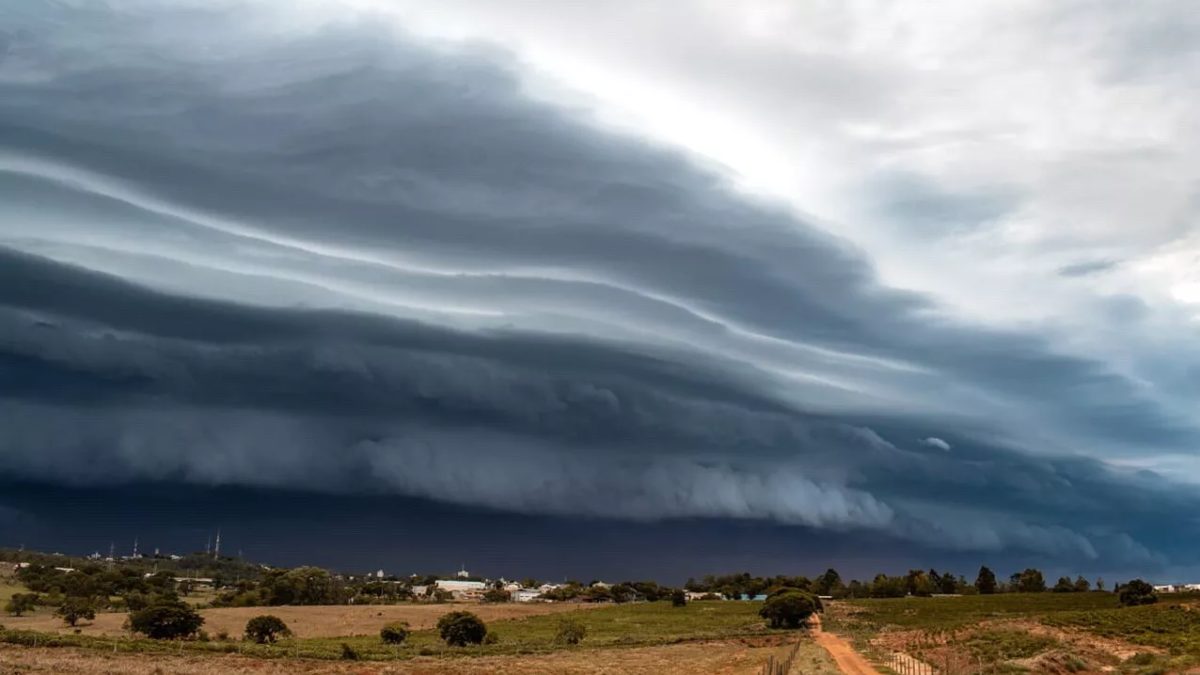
[{"x": 242, "y": 248}]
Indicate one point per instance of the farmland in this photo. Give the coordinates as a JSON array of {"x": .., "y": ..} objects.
[{"x": 1038, "y": 632}]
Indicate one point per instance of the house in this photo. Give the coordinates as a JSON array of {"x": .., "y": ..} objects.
[
  {"x": 526, "y": 595},
  {"x": 462, "y": 590}
]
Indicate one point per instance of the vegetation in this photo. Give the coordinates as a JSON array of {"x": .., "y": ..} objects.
[
  {"x": 789, "y": 609},
  {"x": 166, "y": 620},
  {"x": 678, "y": 599},
  {"x": 985, "y": 582},
  {"x": 1136, "y": 592},
  {"x": 72, "y": 610},
  {"x": 20, "y": 603},
  {"x": 459, "y": 629},
  {"x": 570, "y": 632},
  {"x": 266, "y": 628},
  {"x": 394, "y": 633}
]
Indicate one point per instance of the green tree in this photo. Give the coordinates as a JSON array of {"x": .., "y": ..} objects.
[
  {"x": 20, "y": 603},
  {"x": 829, "y": 583},
  {"x": 394, "y": 633},
  {"x": 1064, "y": 585},
  {"x": 678, "y": 598},
  {"x": 72, "y": 610},
  {"x": 497, "y": 595},
  {"x": 790, "y": 609},
  {"x": 948, "y": 583},
  {"x": 1136, "y": 592},
  {"x": 461, "y": 628},
  {"x": 166, "y": 620},
  {"x": 1031, "y": 581},
  {"x": 266, "y": 628},
  {"x": 1082, "y": 585},
  {"x": 570, "y": 632}
]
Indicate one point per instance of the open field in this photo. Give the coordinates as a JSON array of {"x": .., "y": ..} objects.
[
  {"x": 1042, "y": 632},
  {"x": 307, "y": 621},
  {"x": 743, "y": 657},
  {"x": 704, "y": 637}
]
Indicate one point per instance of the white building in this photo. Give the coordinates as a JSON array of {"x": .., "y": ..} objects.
[
  {"x": 462, "y": 590},
  {"x": 525, "y": 594}
]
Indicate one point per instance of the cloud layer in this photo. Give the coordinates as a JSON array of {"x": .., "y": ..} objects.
[{"x": 244, "y": 248}]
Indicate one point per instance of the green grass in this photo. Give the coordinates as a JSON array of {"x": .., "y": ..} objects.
[
  {"x": 1172, "y": 627},
  {"x": 641, "y": 624},
  {"x": 957, "y": 612}
]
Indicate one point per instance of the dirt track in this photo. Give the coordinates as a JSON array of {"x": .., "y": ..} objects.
[{"x": 848, "y": 661}]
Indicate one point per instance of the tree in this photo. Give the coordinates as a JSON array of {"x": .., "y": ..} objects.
[
  {"x": 20, "y": 603},
  {"x": 461, "y": 628},
  {"x": 1136, "y": 592},
  {"x": 166, "y": 620},
  {"x": 1064, "y": 585},
  {"x": 497, "y": 595},
  {"x": 948, "y": 583},
  {"x": 790, "y": 609},
  {"x": 266, "y": 628},
  {"x": 570, "y": 632},
  {"x": 918, "y": 583},
  {"x": 1031, "y": 581},
  {"x": 74, "y": 609},
  {"x": 678, "y": 598},
  {"x": 1082, "y": 585},
  {"x": 1099, "y": 583},
  {"x": 529, "y": 582},
  {"x": 394, "y": 633},
  {"x": 828, "y": 583}
]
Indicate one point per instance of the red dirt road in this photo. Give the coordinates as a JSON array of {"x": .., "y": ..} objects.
[{"x": 848, "y": 661}]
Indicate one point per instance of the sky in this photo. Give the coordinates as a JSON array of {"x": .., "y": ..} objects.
[{"x": 765, "y": 285}]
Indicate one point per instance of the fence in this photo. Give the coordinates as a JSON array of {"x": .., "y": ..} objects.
[{"x": 778, "y": 666}]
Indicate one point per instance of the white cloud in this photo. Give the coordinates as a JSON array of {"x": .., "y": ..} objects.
[{"x": 935, "y": 442}]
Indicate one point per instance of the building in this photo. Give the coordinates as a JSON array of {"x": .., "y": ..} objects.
[
  {"x": 461, "y": 589},
  {"x": 526, "y": 595}
]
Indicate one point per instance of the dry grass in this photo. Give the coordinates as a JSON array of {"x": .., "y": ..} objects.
[
  {"x": 310, "y": 622},
  {"x": 726, "y": 657}
]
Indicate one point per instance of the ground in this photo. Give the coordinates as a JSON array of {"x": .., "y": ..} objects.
[{"x": 307, "y": 622}]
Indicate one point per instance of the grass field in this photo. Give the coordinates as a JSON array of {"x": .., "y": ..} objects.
[
  {"x": 307, "y": 621},
  {"x": 636, "y": 625},
  {"x": 1039, "y": 632}
]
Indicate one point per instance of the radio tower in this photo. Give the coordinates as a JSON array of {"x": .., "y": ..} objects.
[
  {"x": 217, "y": 549},
  {"x": 135, "y": 547}
]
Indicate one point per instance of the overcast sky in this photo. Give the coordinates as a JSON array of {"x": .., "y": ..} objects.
[{"x": 898, "y": 276}]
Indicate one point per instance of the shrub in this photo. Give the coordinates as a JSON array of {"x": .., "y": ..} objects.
[
  {"x": 461, "y": 628},
  {"x": 570, "y": 632},
  {"x": 1136, "y": 592},
  {"x": 20, "y": 603},
  {"x": 789, "y": 610},
  {"x": 166, "y": 621},
  {"x": 678, "y": 598},
  {"x": 266, "y": 629},
  {"x": 223, "y": 635},
  {"x": 74, "y": 609},
  {"x": 394, "y": 633},
  {"x": 348, "y": 653},
  {"x": 497, "y": 595},
  {"x": 491, "y": 638}
]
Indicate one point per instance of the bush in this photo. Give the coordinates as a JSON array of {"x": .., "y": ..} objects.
[
  {"x": 74, "y": 609},
  {"x": 570, "y": 632},
  {"x": 394, "y": 633},
  {"x": 266, "y": 629},
  {"x": 789, "y": 610},
  {"x": 20, "y": 603},
  {"x": 678, "y": 598},
  {"x": 461, "y": 628},
  {"x": 497, "y": 595},
  {"x": 348, "y": 653},
  {"x": 166, "y": 621},
  {"x": 1136, "y": 592}
]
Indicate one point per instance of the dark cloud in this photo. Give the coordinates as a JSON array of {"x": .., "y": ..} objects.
[
  {"x": 339, "y": 260},
  {"x": 1088, "y": 268}
]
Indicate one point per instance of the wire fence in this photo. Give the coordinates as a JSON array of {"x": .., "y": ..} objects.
[{"x": 781, "y": 666}]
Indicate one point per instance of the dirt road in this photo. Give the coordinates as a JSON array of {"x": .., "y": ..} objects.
[{"x": 848, "y": 661}]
